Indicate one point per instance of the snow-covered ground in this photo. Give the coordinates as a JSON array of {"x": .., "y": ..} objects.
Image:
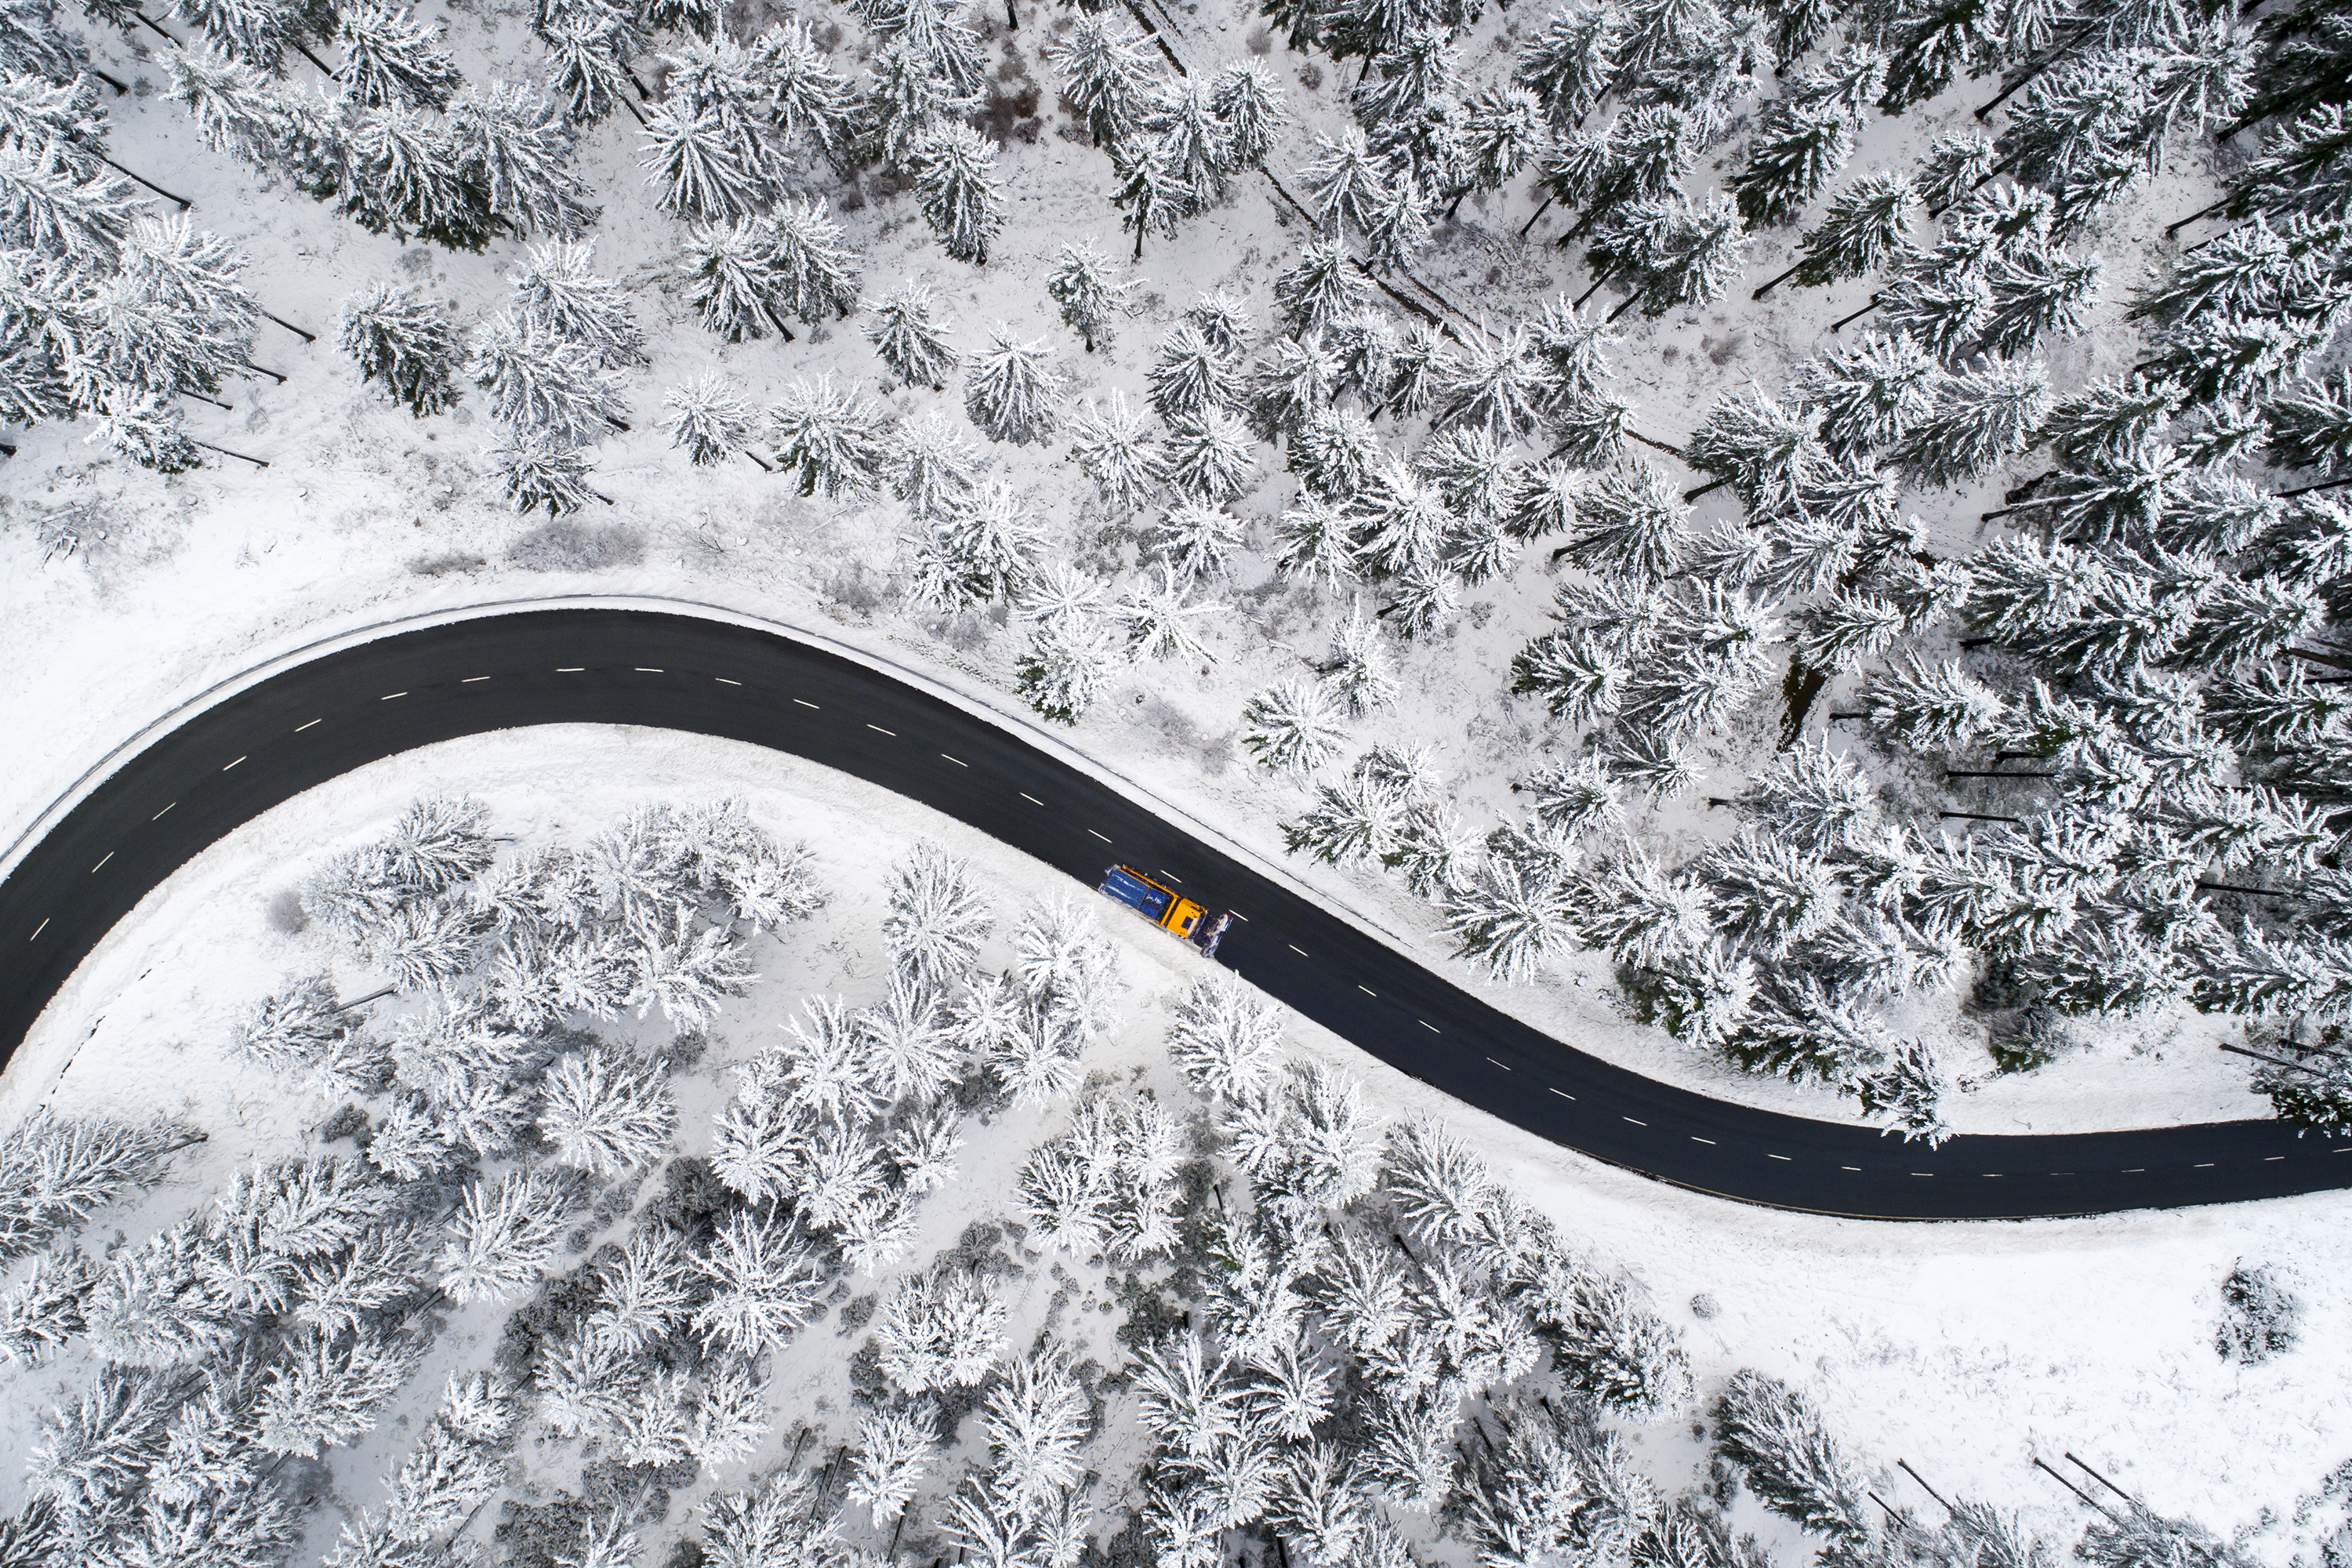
[
  {"x": 1967, "y": 1349},
  {"x": 366, "y": 514}
]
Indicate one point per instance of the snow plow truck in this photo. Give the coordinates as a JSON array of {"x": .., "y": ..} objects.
[{"x": 1166, "y": 908}]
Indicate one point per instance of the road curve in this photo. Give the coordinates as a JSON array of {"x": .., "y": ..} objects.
[{"x": 322, "y": 717}]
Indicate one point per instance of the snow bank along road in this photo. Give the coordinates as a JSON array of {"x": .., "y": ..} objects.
[{"x": 321, "y": 718}]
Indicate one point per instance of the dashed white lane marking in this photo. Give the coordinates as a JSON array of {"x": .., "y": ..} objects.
[
  {"x": 1296, "y": 948},
  {"x": 880, "y": 731},
  {"x": 233, "y": 764},
  {"x": 40, "y": 929},
  {"x": 300, "y": 728},
  {"x": 1782, "y": 1158},
  {"x": 650, "y": 670},
  {"x": 1031, "y": 799},
  {"x": 1635, "y": 1123},
  {"x": 803, "y": 702},
  {"x": 958, "y": 760},
  {"x": 1561, "y": 1092},
  {"x": 1696, "y": 1138},
  {"x": 1172, "y": 876},
  {"x": 101, "y": 860},
  {"x": 1367, "y": 990},
  {"x": 1098, "y": 836},
  {"x": 1856, "y": 1169},
  {"x": 1503, "y": 1066},
  {"x": 570, "y": 669},
  {"x": 2135, "y": 1170},
  {"x": 390, "y": 695},
  {"x": 1239, "y": 916},
  {"x": 724, "y": 682},
  {"x": 2206, "y": 1166},
  {"x": 471, "y": 679},
  {"x": 2268, "y": 1158},
  {"x": 1430, "y": 1026},
  {"x": 159, "y": 815}
]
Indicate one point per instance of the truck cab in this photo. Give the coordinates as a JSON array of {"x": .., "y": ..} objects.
[{"x": 1164, "y": 906}]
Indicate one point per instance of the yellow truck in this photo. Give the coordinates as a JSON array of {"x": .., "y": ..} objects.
[{"x": 1166, "y": 908}]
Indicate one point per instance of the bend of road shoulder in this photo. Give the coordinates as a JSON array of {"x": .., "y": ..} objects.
[{"x": 315, "y": 720}]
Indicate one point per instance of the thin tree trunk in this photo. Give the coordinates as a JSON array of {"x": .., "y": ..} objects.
[
  {"x": 2058, "y": 51},
  {"x": 1598, "y": 278},
  {"x": 600, "y": 495},
  {"x": 1904, "y": 1466},
  {"x": 1978, "y": 816},
  {"x": 1531, "y": 222},
  {"x": 217, "y": 403},
  {"x": 224, "y": 452},
  {"x": 1992, "y": 773},
  {"x": 149, "y": 23},
  {"x": 2307, "y": 489},
  {"x": 2030, "y": 486},
  {"x": 766, "y": 465},
  {"x": 619, "y": 425},
  {"x": 184, "y": 203},
  {"x": 2172, "y": 228},
  {"x": 1630, "y": 301},
  {"x": 1708, "y": 489},
  {"x": 116, "y": 82},
  {"x": 2250, "y": 892},
  {"x": 634, "y": 113},
  {"x": 1011, "y": 19},
  {"x": 2260, "y": 1057},
  {"x": 1849, "y": 320},
  {"x": 1784, "y": 277},
  {"x": 263, "y": 370},
  {"x": 363, "y": 1001},
  {"x": 2287, "y": 105},
  {"x": 306, "y": 337},
  {"x": 644, "y": 93},
  {"x": 1673, "y": 452},
  {"x": 333, "y": 73},
  {"x": 2079, "y": 1492},
  {"x": 1136, "y": 11}
]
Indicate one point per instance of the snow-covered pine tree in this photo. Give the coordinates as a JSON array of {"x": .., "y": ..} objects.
[
  {"x": 1195, "y": 540},
  {"x": 813, "y": 272},
  {"x": 604, "y": 1115},
  {"x": 895, "y": 1449},
  {"x": 1980, "y": 416},
  {"x": 1906, "y": 1094},
  {"x": 2036, "y": 288},
  {"x": 696, "y": 165},
  {"x": 514, "y": 144},
  {"x": 911, "y": 343},
  {"x": 1323, "y": 286},
  {"x": 1290, "y": 386},
  {"x": 737, "y": 287},
  {"x": 389, "y": 57},
  {"x": 1107, "y": 76},
  {"x": 1631, "y": 522},
  {"x": 1500, "y": 386},
  {"x": 558, "y": 296},
  {"x": 1291, "y": 727},
  {"x": 937, "y": 918},
  {"x": 832, "y": 441},
  {"x": 538, "y": 382},
  {"x": 1210, "y": 458},
  {"x": 955, "y": 184},
  {"x": 586, "y": 48},
  {"x": 1790, "y": 160},
  {"x": 540, "y": 470},
  {"x": 932, "y": 466},
  {"x": 710, "y": 418},
  {"x": 1086, "y": 290},
  {"x": 1691, "y": 260},
  {"x": 1160, "y": 612},
  {"x": 1512, "y": 916},
  {"x": 1869, "y": 394},
  {"x": 1864, "y": 226},
  {"x": 1570, "y": 63},
  {"x": 406, "y": 340},
  {"x": 1791, "y": 1461},
  {"x": 1113, "y": 445},
  {"x": 1619, "y": 1352},
  {"x": 1314, "y": 545},
  {"x": 1067, "y": 664},
  {"x": 979, "y": 550},
  {"x": 1013, "y": 392},
  {"x": 1359, "y": 818},
  {"x": 55, "y": 1172}
]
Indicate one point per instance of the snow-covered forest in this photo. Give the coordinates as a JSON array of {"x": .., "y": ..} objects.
[
  {"x": 1947, "y": 678},
  {"x": 1238, "y": 1312}
]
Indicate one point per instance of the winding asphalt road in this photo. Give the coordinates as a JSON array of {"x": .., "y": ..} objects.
[{"x": 324, "y": 717}]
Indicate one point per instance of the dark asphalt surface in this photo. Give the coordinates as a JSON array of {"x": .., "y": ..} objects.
[{"x": 313, "y": 722}]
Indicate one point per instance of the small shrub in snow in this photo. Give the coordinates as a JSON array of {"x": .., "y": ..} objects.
[{"x": 2260, "y": 1319}]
